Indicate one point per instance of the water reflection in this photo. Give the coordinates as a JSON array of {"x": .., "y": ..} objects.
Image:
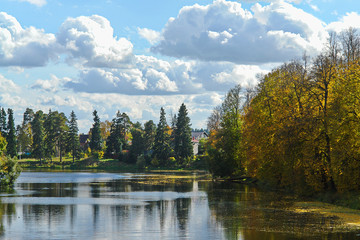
[{"x": 113, "y": 206}]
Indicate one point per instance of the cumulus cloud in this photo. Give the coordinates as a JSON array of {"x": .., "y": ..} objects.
[
  {"x": 7, "y": 85},
  {"x": 152, "y": 76},
  {"x": 38, "y": 3},
  {"x": 91, "y": 41},
  {"x": 349, "y": 20},
  {"x": 224, "y": 31},
  {"x": 27, "y": 47},
  {"x": 150, "y": 35},
  {"x": 54, "y": 84}
]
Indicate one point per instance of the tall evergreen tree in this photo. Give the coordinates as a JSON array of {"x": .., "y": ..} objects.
[
  {"x": 25, "y": 132},
  {"x": 3, "y": 123},
  {"x": 182, "y": 138},
  {"x": 138, "y": 143},
  {"x": 38, "y": 135},
  {"x": 50, "y": 135},
  {"x": 162, "y": 149},
  {"x": 116, "y": 141},
  {"x": 73, "y": 143},
  {"x": 11, "y": 148},
  {"x": 95, "y": 141},
  {"x": 149, "y": 135}
]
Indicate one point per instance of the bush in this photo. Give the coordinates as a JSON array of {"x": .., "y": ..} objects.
[
  {"x": 141, "y": 162},
  {"x": 9, "y": 171},
  {"x": 98, "y": 154}
]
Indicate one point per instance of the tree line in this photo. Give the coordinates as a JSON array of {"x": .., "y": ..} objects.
[
  {"x": 299, "y": 128},
  {"x": 157, "y": 145},
  {"x": 47, "y": 135}
]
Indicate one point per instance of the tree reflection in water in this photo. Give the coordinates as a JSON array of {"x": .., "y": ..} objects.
[{"x": 154, "y": 207}]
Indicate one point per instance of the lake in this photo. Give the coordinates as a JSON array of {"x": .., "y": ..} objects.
[{"x": 96, "y": 205}]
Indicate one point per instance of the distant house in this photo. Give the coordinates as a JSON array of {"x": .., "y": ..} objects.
[
  {"x": 84, "y": 141},
  {"x": 195, "y": 139}
]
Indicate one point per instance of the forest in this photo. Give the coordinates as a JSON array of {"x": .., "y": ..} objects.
[
  {"x": 299, "y": 128},
  {"x": 44, "y": 136}
]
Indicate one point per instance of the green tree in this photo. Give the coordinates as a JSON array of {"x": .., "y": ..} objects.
[
  {"x": 138, "y": 143},
  {"x": 162, "y": 149},
  {"x": 25, "y": 131},
  {"x": 149, "y": 135},
  {"x": 3, "y": 123},
  {"x": 38, "y": 135},
  {"x": 73, "y": 143},
  {"x": 182, "y": 138},
  {"x": 96, "y": 141},
  {"x": 224, "y": 147},
  {"x": 11, "y": 148},
  {"x": 50, "y": 135},
  {"x": 116, "y": 139}
]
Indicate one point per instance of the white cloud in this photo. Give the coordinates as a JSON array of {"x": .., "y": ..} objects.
[
  {"x": 90, "y": 41},
  {"x": 52, "y": 85},
  {"x": 7, "y": 85},
  {"x": 245, "y": 75},
  {"x": 27, "y": 47},
  {"x": 224, "y": 31},
  {"x": 38, "y": 3},
  {"x": 349, "y": 20},
  {"x": 150, "y": 35}
]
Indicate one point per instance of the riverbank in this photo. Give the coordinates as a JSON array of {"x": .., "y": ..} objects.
[{"x": 96, "y": 164}]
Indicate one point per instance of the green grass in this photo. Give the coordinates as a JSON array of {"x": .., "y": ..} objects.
[{"x": 82, "y": 164}]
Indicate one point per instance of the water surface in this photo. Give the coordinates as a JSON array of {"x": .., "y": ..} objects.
[{"x": 86, "y": 205}]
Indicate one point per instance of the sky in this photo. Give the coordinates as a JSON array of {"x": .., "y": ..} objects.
[{"x": 138, "y": 56}]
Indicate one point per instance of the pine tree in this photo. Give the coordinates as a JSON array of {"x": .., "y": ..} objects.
[
  {"x": 3, "y": 123},
  {"x": 162, "y": 149},
  {"x": 149, "y": 135},
  {"x": 182, "y": 138},
  {"x": 50, "y": 135},
  {"x": 25, "y": 132},
  {"x": 73, "y": 143},
  {"x": 11, "y": 137},
  {"x": 95, "y": 141},
  {"x": 38, "y": 135}
]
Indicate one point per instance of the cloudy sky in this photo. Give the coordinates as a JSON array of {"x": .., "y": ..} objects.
[{"x": 137, "y": 56}]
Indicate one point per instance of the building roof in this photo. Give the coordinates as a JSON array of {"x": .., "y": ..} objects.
[{"x": 198, "y": 134}]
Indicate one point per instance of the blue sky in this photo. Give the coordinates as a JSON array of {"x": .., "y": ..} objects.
[{"x": 137, "y": 56}]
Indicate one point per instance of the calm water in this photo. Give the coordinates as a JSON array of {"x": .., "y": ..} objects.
[{"x": 83, "y": 205}]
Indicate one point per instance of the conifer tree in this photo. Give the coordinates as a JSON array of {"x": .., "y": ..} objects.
[
  {"x": 182, "y": 138},
  {"x": 162, "y": 149},
  {"x": 38, "y": 135},
  {"x": 11, "y": 137},
  {"x": 73, "y": 143},
  {"x": 95, "y": 142}
]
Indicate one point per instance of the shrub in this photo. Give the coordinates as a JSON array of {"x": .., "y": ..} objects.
[{"x": 9, "y": 171}]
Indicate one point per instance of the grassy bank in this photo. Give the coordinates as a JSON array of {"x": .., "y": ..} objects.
[
  {"x": 97, "y": 164},
  {"x": 82, "y": 164}
]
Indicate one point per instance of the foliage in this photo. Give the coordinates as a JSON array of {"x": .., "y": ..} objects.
[
  {"x": 11, "y": 148},
  {"x": 73, "y": 144},
  {"x": 98, "y": 154},
  {"x": 224, "y": 146},
  {"x": 119, "y": 134},
  {"x": 162, "y": 149},
  {"x": 182, "y": 135},
  {"x": 38, "y": 135},
  {"x": 9, "y": 171},
  {"x": 95, "y": 142}
]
